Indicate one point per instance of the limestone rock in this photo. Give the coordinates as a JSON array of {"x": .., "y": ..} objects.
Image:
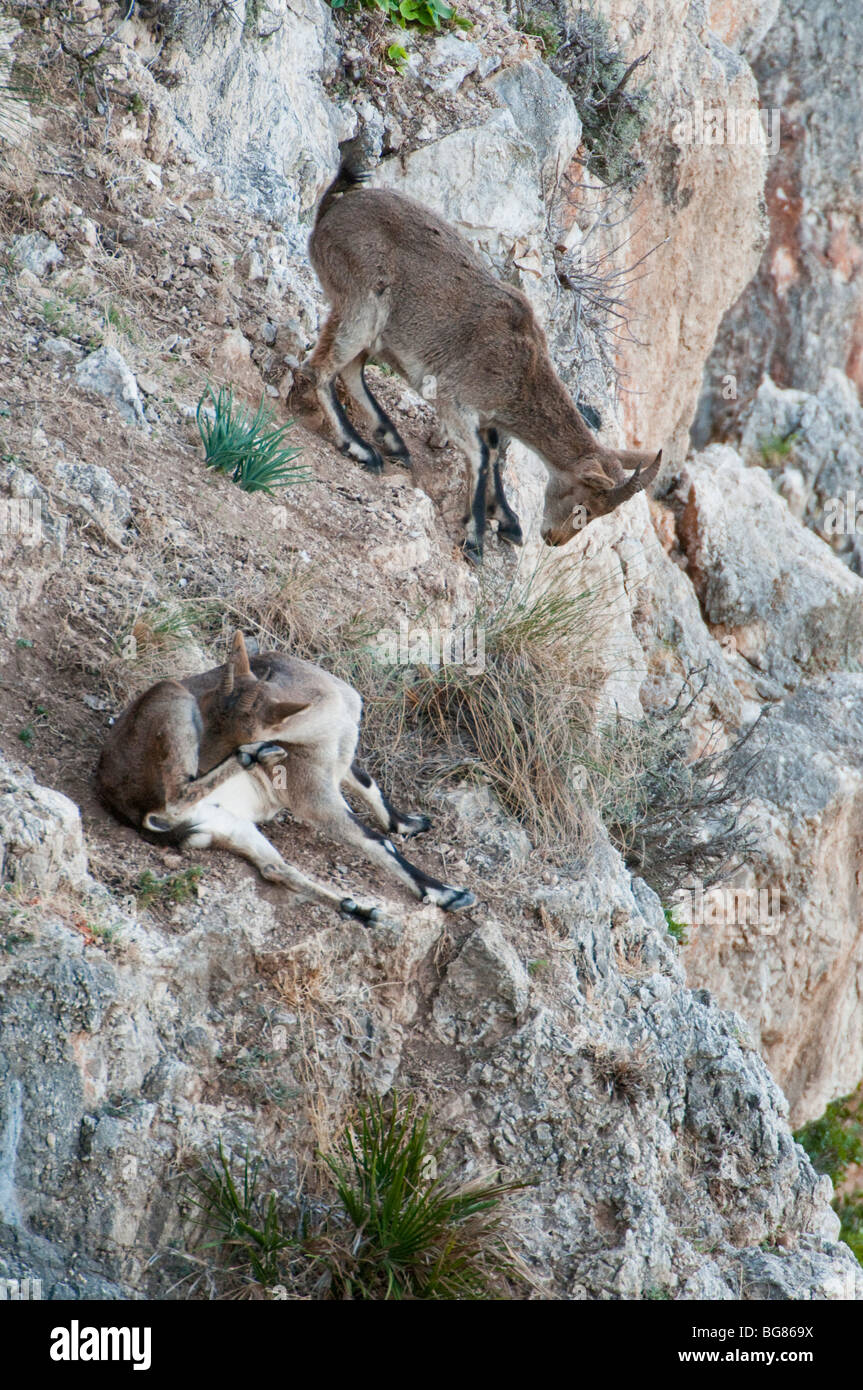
[
  {"x": 106, "y": 373},
  {"x": 36, "y": 253}
]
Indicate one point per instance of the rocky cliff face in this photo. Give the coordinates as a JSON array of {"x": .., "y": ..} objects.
[
  {"x": 553, "y": 1032},
  {"x": 801, "y": 314}
]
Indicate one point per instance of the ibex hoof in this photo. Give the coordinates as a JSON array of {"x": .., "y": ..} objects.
[
  {"x": 511, "y": 532},
  {"x": 364, "y": 454},
  {"x": 413, "y": 825},
  {"x": 454, "y": 899},
  {"x": 472, "y": 553},
  {"x": 349, "y": 908},
  {"x": 270, "y": 753}
]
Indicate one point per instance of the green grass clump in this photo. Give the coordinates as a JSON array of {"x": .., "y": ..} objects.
[
  {"x": 776, "y": 447},
  {"x": 245, "y": 1225},
  {"x": 415, "y": 1235},
  {"x": 391, "y": 1230},
  {"x": 244, "y": 445},
  {"x": 176, "y": 888}
]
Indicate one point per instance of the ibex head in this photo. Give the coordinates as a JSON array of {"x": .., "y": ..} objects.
[
  {"x": 598, "y": 485},
  {"x": 244, "y": 709}
]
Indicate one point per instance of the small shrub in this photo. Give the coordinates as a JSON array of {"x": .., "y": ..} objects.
[
  {"x": 677, "y": 820},
  {"x": 614, "y": 114},
  {"x": 834, "y": 1144},
  {"x": 835, "y": 1141},
  {"x": 176, "y": 888},
  {"x": 244, "y": 446}
]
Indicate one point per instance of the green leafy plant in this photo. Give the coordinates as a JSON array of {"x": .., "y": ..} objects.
[
  {"x": 410, "y": 14},
  {"x": 675, "y": 928},
  {"x": 244, "y": 446},
  {"x": 397, "y": 56}
]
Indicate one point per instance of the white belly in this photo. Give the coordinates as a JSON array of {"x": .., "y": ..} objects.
[{"x": 248, "y": 795}]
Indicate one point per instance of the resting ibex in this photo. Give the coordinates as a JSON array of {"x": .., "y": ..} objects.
[
  {"x": 404, "y": 286},
  {"x": 202, "y": 761}
]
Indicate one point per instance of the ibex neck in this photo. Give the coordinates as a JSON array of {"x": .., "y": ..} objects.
[{"x": 553, "y": 426}]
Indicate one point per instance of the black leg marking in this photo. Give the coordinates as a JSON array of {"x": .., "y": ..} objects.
[
  {"x": 396, "y": 822},
  {"x": 473, "y": 545},
  {"x": 352, "y": 443},
  {"x": 429, "y": 889},
  {"x": 386, "y": 433},
  {"x": 509, "y": 526}
]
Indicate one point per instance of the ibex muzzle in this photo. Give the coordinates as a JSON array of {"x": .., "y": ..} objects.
[{"x": 406, "y": 288}]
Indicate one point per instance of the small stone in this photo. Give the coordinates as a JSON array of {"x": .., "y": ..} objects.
[
  {"x": 36, "y": 253},
  {"x": 107, "y": 374}
]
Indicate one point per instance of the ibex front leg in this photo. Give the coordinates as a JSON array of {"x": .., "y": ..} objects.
[
  {"x": 508, "y": 524},
  {"x": 463, "y": 429}
]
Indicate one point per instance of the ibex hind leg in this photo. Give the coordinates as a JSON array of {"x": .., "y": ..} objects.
[
  {"x": 345, "y": 335},
  {"x": 386, "y": 435},
  {"x": 508, "y": 524},
  {"x": 322, "y": 805},
  {"x": 386, "y": 815},
  {"x": 216, "y": 826}
]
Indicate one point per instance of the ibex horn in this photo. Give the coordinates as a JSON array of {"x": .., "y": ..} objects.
[
  {"x": 237, "y": 664},
  {"x": 639, "y": 479}
]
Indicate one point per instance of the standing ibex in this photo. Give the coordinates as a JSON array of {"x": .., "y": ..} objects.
[
  {"x": 201, "y": 761},
  {"x": 404, "y": 286}
]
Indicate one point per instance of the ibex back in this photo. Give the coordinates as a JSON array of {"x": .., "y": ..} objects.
[
  {"x": 202, "y": 761},
  {"x": 405, "y": 287}
]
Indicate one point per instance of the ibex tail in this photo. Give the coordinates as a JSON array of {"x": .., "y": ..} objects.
[{"x": 348, "y": 177}]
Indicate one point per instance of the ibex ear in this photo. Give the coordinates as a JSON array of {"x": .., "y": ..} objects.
[
  {"x": 595, "y": 476},
  {"x": 284, "y": 709}
]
